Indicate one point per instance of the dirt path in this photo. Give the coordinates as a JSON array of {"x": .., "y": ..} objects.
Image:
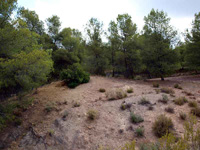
[{"x": 113, "y": 127}]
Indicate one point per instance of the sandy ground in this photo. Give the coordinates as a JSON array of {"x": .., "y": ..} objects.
[{"x": 112, "y": 129}]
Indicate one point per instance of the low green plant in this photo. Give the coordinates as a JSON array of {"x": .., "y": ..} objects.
[
  {"x": 129, "y": 146},
  {"x": 138, "y": 77},
  {"x": 144, "y": 101},
  {"x": 156, "y": 85},
  {"x": 136, "y": 118},
  {"x": 180, "y": 101},
  {"x": 192, "y": 104},
  {"x": 177, "y": 86},
  {"x": 92, "y": 114},
  {"x": 130, "y": 90},
  {"x": 164, "y": 99},
  {"x": 76, "y": 104},
  {"x": 102, "y": 90},
  {"x": 162, "y": 126},
  {"x": 167, "y": 90},
  {"x": 139, "y": 132},
  {"x": 182, "y": 115}
]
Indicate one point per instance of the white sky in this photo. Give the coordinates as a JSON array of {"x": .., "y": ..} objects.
[{"x": 76, "y": 13}]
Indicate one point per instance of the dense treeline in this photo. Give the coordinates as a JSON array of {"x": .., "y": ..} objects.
[{"x": 31, "y": 54}]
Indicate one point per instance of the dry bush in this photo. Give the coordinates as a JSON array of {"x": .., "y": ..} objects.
[
  {"x": 115, "y": 94},
  {"x": 136, "y": 118},
  {"x": 156, "y": 85},
  {"x": 167, "y": 90},
  {"x": 182, "y": 115},
  {"x": 162, "y": 126},
  {"x": 92, "y": 114},
  {"x": 169, "y": 109},
  {"x": 192, "y": 104},
  {"x": 76, "y": 104},
  {"x": 180, "y": 101},
  {"x": 164, "y": 99},
  {"x": 196, "y": 111},
  {"x": 129, "y": 90},
  {"x": 144, "y": 101},
  {"x": 102, "y": 90},
  {"x": 177, "y": 86}
]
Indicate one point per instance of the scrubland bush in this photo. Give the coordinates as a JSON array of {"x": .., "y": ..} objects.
[
  {"x": 129, "y": 90},
  {"x": 196, "y": 111},
  {"x": 192, "y": 103},
  {"x": 136, "y": 118},
  {"x": 177, "y": 86},
  {"x": 180, "y": 101},
  {"x": 164, "y": 99},
  {"x": 144, "y": 101},
  {"x": 182, "y": 115},
  {"x": 139, "y": 132},
  {"x": 162, "y": 126},
  {"x": 156, "y": 85},
  {"x": 102, "y": 90},
  {"x": 92, "y": 114},
  {"x": 169, "y": 109},
  {"x": 115, "y": 94},
  {"x": 167, "y": 90}
]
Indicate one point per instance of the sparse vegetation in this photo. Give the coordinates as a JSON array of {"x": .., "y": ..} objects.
[
  {"x": 196, "y": 111},
  {"x": 125, "y": 105},
  {"x": 144, "y": 101},
  {"x": 139, "y": 132},
  {"x": 169, "y": 109},
  {"x": 136, "y": 118},
  {"x": 192, "y": 104},
  {"x": 102, "y": 90},
  {"x": 157, "y": 91},
  {"x": 65, "y": 114},
  {"x": 115, "y": 94},
  {"x": 156, "y": 85},
  {"x": 177, "y": 86},
  {"x": 49, "y": 107},
  {"x": 180, "y": 101},
  {"x": 162, "y": 126},
  {"x": 167, "y": 90},
  {"x": 164, "y": 99},
  {"x": 150, "y": 108},
  {"x": 182, "y": 115},
  {"x": 138, "y": 77},
  {"x": 76, "y": 104},
  {"x": 130, "y": 90},
  {"x": 92, "y": 114},
  {"x": 149, "y": 146}
]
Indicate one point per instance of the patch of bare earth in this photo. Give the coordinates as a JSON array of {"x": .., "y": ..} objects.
[{"x": 113, "y": 128}]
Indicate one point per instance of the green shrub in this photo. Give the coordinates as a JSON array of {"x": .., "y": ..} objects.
[
  {"x": 130, "y": 90},
  {"x": 196, "y": 111},
  {"x": 92, "y": 114},
  {"x": 192, "y": 103},
  {"x": 164, "y": 99},
  {"x": 144, "y": 101},
  {"x": 138, "y": 77},
  {"x": 169, "y": 109},
  {"x": 182, "y": 115},
  {"x": 162, "y": 126},
  {"x": 102, "y": 90},
  {"x": 180, "y": 101},
  {"x": 76, "y": 104},
  {"x": 148, "y": 146},
  {"x": 74, "y": 76},
  {"x": 139, "y": 132},
  {"x": 136, "y": 118},
  {"x": 156, "y": 85},
  {"x": 167, "y": 90},
  {"x": 177, "y": 86}
]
